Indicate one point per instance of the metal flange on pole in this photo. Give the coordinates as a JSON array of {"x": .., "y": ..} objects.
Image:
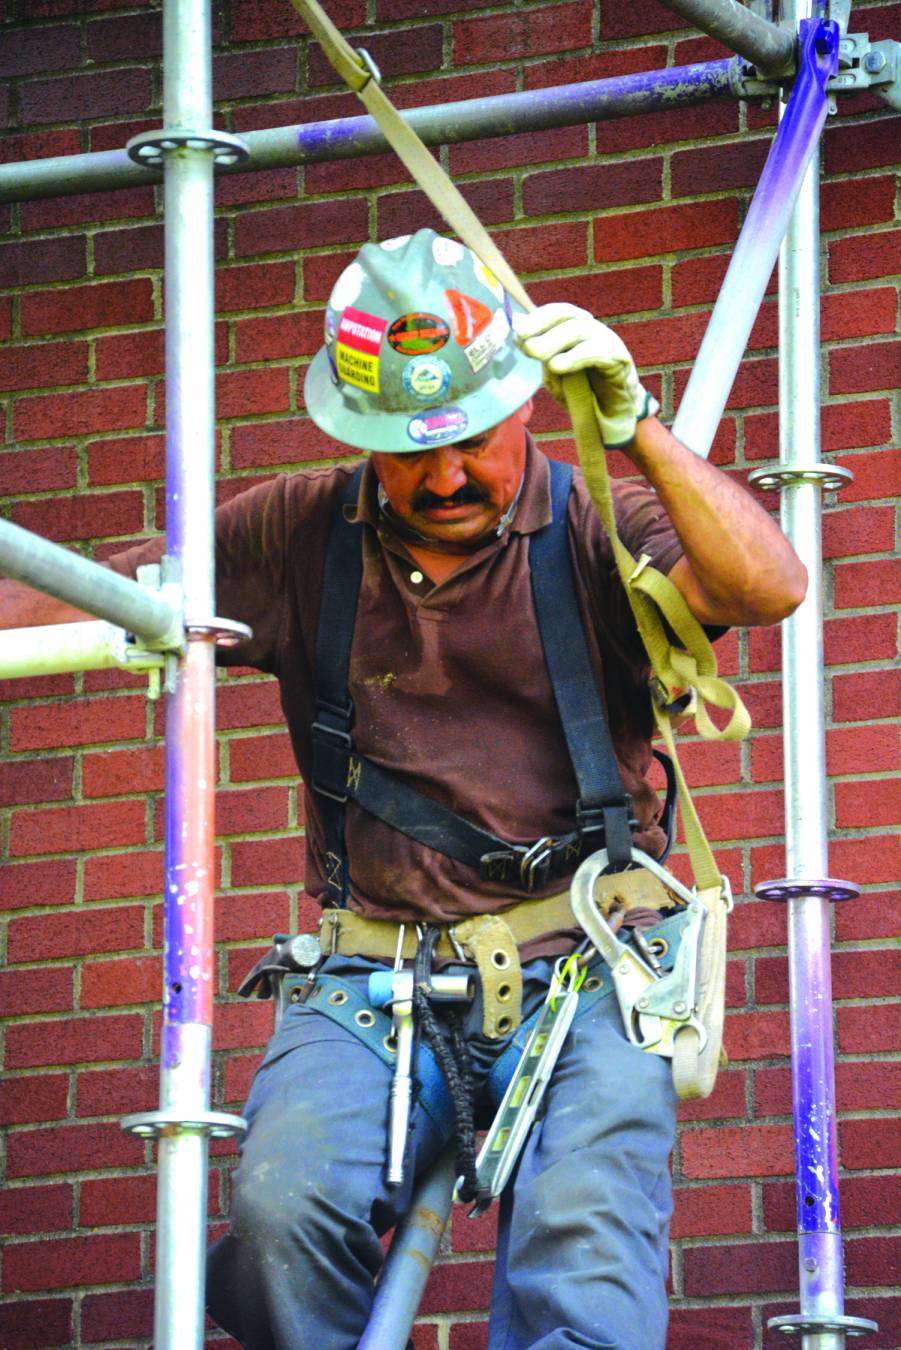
[{"x": 184, "y": 1122}]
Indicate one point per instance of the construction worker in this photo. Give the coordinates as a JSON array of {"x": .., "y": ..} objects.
[{"x": 425, "y": 721}]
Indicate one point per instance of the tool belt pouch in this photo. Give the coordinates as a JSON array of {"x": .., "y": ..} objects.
[{"x": 488, "y": 940}]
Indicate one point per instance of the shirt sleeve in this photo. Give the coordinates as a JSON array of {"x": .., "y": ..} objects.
[{"x": 250, "y": 570}]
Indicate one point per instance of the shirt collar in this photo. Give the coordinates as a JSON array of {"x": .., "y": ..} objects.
[{"x": 534, "y": 510}]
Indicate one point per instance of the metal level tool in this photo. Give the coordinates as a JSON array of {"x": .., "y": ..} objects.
[{"x": 519, "y": 1107}]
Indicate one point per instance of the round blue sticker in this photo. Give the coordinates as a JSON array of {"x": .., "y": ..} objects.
[
  {"x": 438, "y": 426},
  {"x": 428, "y": 378}
]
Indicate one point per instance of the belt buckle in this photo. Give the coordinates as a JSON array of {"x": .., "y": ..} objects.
[{"x": 535, "y": 863}]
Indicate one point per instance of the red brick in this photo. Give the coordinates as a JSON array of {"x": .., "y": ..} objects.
[
  {"x": 242, "y": 1025},
  {"x": 126, "y": 459},
  {"x": 71, "y": 829},
  {"x": 859, "y": 1031},
  {"x": 858, "y": 529},
  {"x": 26, "y": 262},
  {"x": 37, "y": 470},
  {"x": 402, "y": 212},
  {"x": 872, "y": 1261},
  {"x": 772, "y": 1092},
  {"x": 868, "y": 802},
  {"x": 857, "y": 314},
  {"x": 42, "y": 1321},
  {"x": 48, "y": 990},
  {"x": 45, "y": 726},
  {"x": 87, "y": 207},
  {"x": 272, "y": 185},
  {"x": 254, "y": 286},
  {"x": 86, "y": 516},
  {"x": 115, "y": 1200},
  {"x": 618, "y": 291},
  {"x": 36, "y": 1209},
  {"x": 72, "y": 1148},
  {"x": 876, "y": 475},
  {"x": 468, "y": 1336},
  {"x": 856, "y": 201},
  {"x": 703, "y": 1211},
  {"x": 99, "y": 305},
  {"x": 872, "y": 915},
  {"x": 104, "y": 1092},
  {"x": 241, "y": 393},
  {"x": 118, "y": 39},
  {"x": 698, "y": 280},
  {"x": 251, "y": 810},
  {"x": 131, "y": 979},
  {"x": 248, "y": 705},
  {"x": 80, "y": 413},
  {"x": 239, "y": 1071},
  {"x": 117, "y": 876},
  {"x": 716, "y": 1328},
  {"x": 84, "y": 931},
  {"x": 865, "y": 1144},
  {"x": 864, "y": 257},
  {"x": 719, "y": 167},
  {"x": 866, "y": 694},
  {"x": 740, "y": 1268},
  {"x": 57, "y": 1263},
  {"x": 77, "y": 1041},
  {"x": 35, "y": 1097},
  {"x": 43, "y": 365},
  {"x": 254, "y": 758},
  {"x": 512, "y": 36},
  {"x": 38, "y": 883},
  {"x": 131, "y": 248},
  {"x": 74, "y": 97},
  {"x": 123, "y": 1313},
  {"x": 29, "y": 50},
  {"x": 662, "y": 341},
  {"x": 455, "y": 1288},
  {"x": 35, "y": 780},
  {"x": 125, "y": 355},
  {"x": 285, "y": 228},
  {"x": 278, "y": 335},
  {"x": 865, "y": 637},
  {"x": 109, "y": 773},
  {"x": 641, "y": 17},
  {"x": 395, "y": 53},
  {"x": 748, "y": 1150},
  {"x": 639, "y": 234},
  {"x": 856, "y": 369},
  {"x": 757, "y": 1035},
  {"x": 866, "y": 863},
  {"x": 251, "y": 916},
  {"x": 868, "y": 1086},
  {"x": 41, "y": 144},
  {"x": 526, "y": 148},
  {"x": 727, "y": 1100},
  {"x": 869, "y": 583},
  {"x": 846, "y": 151},
  {"x": 740, "y": 815},
  {"x": 267, "y": 862},
  {"x": 591, "y": 187}
]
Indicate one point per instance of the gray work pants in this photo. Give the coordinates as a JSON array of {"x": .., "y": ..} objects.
[{"x": 582, "y": 1243}]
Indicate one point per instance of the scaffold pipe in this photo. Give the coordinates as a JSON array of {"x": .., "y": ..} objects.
[
  {"x": 768, "y": 47},
  {"x": 57, "y": 649},
  {"x": 351, "y": 137},
  {"x": 757, "y": 249},
  {"x": 86, "y": 585}
]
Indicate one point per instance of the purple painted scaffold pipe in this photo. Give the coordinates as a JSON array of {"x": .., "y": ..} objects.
[{"x": 758, "y": 244}]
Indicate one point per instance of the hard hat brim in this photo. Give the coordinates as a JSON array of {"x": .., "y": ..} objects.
[{"x": 414, "y": 430}]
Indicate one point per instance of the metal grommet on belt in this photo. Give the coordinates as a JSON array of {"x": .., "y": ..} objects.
[
  {"x": 659, "y": 946},
  {"x": 593, "y": 982},
  {"x": 390, "y": 1043},
  {"x": 504, "y": 993},
  {"x": 337, "y": 997},
  {"x": 364, "y": 1018},
  {"x": 499, "y": 959}
]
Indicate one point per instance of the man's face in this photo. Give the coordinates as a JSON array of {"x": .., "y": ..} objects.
[{"x": 458, "y": 492}]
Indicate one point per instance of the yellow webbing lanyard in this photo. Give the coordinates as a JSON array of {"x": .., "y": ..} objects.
[{"x": 691, "y": 670}]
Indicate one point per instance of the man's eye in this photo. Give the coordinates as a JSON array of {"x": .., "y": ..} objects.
[{"x": 473, "y": 446}]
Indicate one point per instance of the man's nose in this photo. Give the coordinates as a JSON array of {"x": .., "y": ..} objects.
[{"x": 445, "y": 472}]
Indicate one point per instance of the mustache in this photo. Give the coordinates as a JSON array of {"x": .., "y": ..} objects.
[{"x": 469, "y": 493}]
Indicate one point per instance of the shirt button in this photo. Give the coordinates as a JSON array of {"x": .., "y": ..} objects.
[{"x": 416, "y": 577}]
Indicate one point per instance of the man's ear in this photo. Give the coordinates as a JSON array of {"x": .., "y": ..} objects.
[{"x": 525, "y": 412}]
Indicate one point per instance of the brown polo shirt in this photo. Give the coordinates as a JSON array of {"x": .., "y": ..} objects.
[{"x": 448, "y": 682}]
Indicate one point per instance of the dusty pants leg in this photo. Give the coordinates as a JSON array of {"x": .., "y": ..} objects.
[
  {"x": 297, "y": 1266},
  {"x": 582, "y": 1248}
]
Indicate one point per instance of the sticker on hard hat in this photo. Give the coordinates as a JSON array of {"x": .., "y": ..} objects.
[
  {"x": 418, "y": 334},
  {"x": 389, "y": 245},
  {"x": 447, "y": 252},
  {"x": 427, "y": 377},
  {"x": 468, "y": 316},
  {"x": 488, "y": 279},
  {"x": 347, "y": 287},
  {"x": 488, "y": 344},
  {"x": 433, "y": 428},
  {"x": 359, "y": 338}
]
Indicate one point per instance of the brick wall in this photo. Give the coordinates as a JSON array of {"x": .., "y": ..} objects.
[{"x": 635, "y": 218}]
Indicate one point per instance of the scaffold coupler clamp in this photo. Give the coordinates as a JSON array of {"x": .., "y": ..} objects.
[{"x": 677, "y": 1014}]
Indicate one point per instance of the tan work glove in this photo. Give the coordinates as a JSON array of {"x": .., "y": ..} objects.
[{"x": 565, "y": 338}]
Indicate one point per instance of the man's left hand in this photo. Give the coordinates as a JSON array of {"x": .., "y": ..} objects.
[{"x": 566, "y": 338}]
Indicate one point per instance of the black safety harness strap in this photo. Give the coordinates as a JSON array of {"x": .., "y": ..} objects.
[{"x": 340, "y": 773}]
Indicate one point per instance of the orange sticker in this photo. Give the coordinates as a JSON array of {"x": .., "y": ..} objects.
[{"x": 469, "y": 317}]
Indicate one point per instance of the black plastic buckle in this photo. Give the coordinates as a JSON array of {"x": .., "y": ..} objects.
[{"x": 328, "y": 741}]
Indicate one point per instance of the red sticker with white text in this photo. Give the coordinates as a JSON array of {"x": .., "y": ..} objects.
[{"x": 358, "y": 340}]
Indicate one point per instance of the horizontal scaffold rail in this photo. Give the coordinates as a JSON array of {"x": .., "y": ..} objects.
[{"x": 442, "y": 124}]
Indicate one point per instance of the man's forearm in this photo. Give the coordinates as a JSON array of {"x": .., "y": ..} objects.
[{"x": 738, "y": 567}]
